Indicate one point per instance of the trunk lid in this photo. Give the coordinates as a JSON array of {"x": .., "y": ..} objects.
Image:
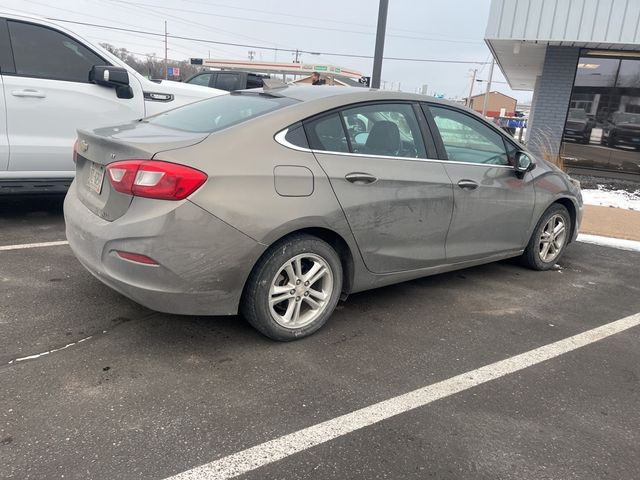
[{"x": 134, "y": 141}]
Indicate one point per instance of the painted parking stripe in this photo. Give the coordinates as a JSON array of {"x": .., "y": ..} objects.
[
  {"x": 610, "y": 242},
  {"x": 287, "y": 445},
  {"x": 33, "y": 245}
]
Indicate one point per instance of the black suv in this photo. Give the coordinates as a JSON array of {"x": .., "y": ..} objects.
[
  {"x": 227, "y": 80},
  {"x": 622, "y": 129}
]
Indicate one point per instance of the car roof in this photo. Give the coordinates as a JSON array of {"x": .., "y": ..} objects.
[
  {"x": 327, "y": 97},
  {"x": 307, "y": 92}
]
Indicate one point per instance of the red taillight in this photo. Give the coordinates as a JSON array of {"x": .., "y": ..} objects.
[
  {"x": 154, "y": 179},
  {"x": 136, "y": 257}
]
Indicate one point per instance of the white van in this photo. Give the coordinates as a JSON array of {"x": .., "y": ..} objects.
[{"x": 52, "y": 82}]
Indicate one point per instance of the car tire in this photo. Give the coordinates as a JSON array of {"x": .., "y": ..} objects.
[
  {"x": 547, "y": 243},
  {"x": 307, "y": 299}
]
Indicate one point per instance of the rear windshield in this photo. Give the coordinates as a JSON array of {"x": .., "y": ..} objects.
[{"x": 220, "y": 112}]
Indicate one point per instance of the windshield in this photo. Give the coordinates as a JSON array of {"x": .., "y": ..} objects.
[
  {"x": 621, "y": 117},
  {"x": 577, "y": 114},
  {"x": 220, "y": 112}
]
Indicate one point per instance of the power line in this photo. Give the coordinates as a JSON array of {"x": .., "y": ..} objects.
[
  {"x": 184, "y": 21},
  {"x": 306, "y": 17},
  {"x": 216, "y": 42},
  {"x": 306, "y": 26}
]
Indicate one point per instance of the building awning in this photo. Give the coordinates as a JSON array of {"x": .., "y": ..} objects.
[{"x": 519, "y": 31}]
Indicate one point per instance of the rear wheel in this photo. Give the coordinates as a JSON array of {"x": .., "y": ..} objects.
[
  {"x": 549, "y": 238},
  {"x": 293, "y": 289}
]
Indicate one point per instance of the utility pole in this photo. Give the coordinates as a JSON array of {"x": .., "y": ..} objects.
[
  {"x": 166, "y": 64},
  {"x": 486, "y": 95},
  {"x": 297, "y": 55},
  {"x": 473, "y": 81},
  {"x": 379, "y": 52}
]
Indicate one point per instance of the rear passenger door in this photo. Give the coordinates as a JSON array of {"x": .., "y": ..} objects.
[
  {"x": 493, "y": 207},
  {"x": 397, "y": 202}
]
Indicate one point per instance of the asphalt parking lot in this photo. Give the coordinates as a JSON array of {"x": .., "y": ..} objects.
[{"x": 131, "y": 393}]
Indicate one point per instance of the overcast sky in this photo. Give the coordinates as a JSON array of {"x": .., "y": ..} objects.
[{"x": 425, "y": 29}]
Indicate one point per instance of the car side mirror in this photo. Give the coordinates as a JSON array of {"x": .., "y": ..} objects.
[
  {"x": 113, "y": 77},
  {"x": 524, "y": 164}
]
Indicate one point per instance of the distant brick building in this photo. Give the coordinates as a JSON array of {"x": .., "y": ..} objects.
[{"x": 495, "y": 103}]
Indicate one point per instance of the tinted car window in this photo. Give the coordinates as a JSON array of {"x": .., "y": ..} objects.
[
  {"x": 216, "y": 113},
  {"x": 45, "y": 53},
  {"x": 228, "y": 81},
  {"x": 254, "y": 81},
  {"x": 6, "y": 58},
  {"x": 326, "y": 133},
  {"x": 384, "y": 129},
  {"x": 296, "y": 136},
  {"x": 202, "y": 79},
  {"x": 467, "y": 139}
]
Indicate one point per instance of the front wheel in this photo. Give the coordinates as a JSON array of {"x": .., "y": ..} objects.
[
  {"x": 293, "y": 289},
  {"x": 549, "y": 238}
]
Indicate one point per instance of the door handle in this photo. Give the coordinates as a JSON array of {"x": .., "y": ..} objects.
[
  {"x": 29, "y": 92},
  {"x": 359, "y": 178},
  {"x": 467, "y": 184}
]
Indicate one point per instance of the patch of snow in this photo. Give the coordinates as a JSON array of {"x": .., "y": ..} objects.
[
  {"x": 612, "y": 198},
  {"x": 610, "y": 242}
]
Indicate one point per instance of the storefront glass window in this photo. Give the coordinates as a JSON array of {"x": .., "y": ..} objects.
[
  {"x": 602, "y": 130},
  {"x": 597, "y": 72},
  {"x": 629, "y": 75}
]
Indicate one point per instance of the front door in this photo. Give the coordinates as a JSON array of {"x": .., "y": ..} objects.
[
  {"x": 397, "y": 202},
  {"x": 493, "y": 207},
  {"x": 48, "y": 97}
]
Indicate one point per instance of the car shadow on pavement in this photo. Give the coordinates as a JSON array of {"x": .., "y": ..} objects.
[{"x": 17, "y": 206}]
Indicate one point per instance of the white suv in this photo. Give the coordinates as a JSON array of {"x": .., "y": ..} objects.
[{"x": 53, "y": 82}]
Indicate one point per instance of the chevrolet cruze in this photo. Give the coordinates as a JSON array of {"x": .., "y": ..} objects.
[{"x": 276, "y": 203}]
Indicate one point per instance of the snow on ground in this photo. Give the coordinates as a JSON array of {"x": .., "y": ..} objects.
[
  {"x": 612, "y": 198},
  {"x": 610, "y": 242}
]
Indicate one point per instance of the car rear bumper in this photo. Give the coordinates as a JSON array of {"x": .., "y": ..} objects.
[{"x": 202, "y": 261}]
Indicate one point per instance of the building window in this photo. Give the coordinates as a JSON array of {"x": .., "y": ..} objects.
[{"x": 597, "y": 72}]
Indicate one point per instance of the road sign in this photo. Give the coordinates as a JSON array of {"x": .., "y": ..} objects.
[
  {"x": 365, "y": 81},
  {"x": 173, "y": 71}
]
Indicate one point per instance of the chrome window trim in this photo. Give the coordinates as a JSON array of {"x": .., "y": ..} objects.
[{"x": 280, "y": 138}]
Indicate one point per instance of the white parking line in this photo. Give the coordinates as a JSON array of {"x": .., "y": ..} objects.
[
  {"x": 282, "y": 447},
  {"x": 610, "y": 242},
  {"x": 33, "y": 245}
]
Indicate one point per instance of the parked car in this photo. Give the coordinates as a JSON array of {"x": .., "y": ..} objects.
[
  {"x": 622, "y": 129},
  {"x": 228, "y": 80},
  {"x": 53, "y": 81},
  {"x": 579, "y": 125},
  {"x": 182, "y": 214}
]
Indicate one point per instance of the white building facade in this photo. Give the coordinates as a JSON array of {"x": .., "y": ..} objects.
[{"x": 582, "y": 60}]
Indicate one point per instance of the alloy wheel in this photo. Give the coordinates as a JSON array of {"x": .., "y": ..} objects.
[
  {"x": 300, "y": 291},
  {"x": 552, "y": 238}
]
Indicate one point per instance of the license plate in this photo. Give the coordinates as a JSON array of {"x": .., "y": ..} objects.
[{"x": 96, "y": 176}]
